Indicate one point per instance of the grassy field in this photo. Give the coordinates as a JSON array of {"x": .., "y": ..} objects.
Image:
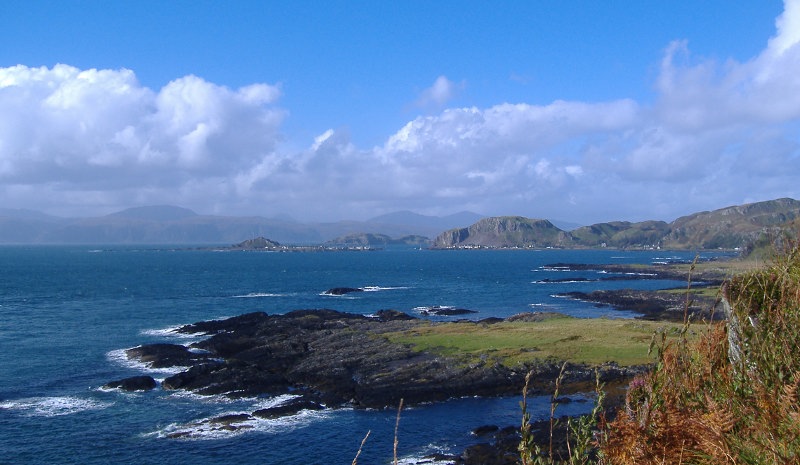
[{"x": 590, "y": 341}]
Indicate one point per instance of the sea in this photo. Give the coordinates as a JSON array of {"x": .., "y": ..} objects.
[{"x": 67, "y": 313}]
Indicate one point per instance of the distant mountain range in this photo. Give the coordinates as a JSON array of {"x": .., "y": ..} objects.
[
  {"x": 165, "y": 224},
  {"x": 727, "y": 228}
]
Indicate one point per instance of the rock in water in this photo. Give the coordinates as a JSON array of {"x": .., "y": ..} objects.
[
  {"x": 342, "y": 290},
  {"x": 134, "y": 383}
]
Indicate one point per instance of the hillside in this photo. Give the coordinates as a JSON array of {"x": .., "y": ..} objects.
[
  {"x": 504, "y": 231},
  {"x": 377, "y": 240},
  {"x": 728, "y": 228}
]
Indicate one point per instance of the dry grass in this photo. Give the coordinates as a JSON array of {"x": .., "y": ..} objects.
[{"x": 729, "y": 397}]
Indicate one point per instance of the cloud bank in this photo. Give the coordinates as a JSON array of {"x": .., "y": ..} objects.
[{"x": 84, "y": 142}]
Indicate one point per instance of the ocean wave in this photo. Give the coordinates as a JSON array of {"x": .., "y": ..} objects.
[
  {"x": 253, "y": 295},
  {"x": 172, "y": 331},
  {"x": 213, "y": 428},
  {"x": 558, "y": 269},
  {"x": 427, "y": 456},
  {"x": 381, "y": 288},
  {"x": 54, "y": 406}
]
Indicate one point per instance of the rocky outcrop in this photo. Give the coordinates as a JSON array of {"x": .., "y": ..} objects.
[
  {"x": 342, "y": 290},
  {"x": 439, "y": 310},
  {"x": 134, "y": 383},
  {"x": 336, "y": 358},
  {"x": 258, "y": 243}
]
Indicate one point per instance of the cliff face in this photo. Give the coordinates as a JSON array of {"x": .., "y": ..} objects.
[
  {"x": 728, "y": 228},
  {"x": 504, "y": 231}
]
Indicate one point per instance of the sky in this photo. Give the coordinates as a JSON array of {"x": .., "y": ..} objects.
[{"x": 576, "y": 111}]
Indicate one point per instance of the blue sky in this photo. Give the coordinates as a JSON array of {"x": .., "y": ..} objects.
[{"x": 577, "y": 111}]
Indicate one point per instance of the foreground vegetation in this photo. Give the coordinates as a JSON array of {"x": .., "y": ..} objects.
[
  {"x": 725, "y": 392},
  {"x": 732, "y": 395}
]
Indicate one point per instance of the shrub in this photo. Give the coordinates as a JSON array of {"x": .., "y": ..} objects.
[{"x": 732, "y": 395}]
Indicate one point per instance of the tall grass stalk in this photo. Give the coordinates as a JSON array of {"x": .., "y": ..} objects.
[
  {"x": 580, "y": 432},
  {"x": 361, "y": 447}
]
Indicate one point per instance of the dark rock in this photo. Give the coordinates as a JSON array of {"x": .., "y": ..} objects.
[
  {"x": 231, "y": 419},
  {"x": 233, "y": 378},
  {"x": 651, "y": 305},
  {"x": 485, "y": 430},
  {"x": 338, "y": 358},
  {"x": 287, "y": 409},
  {"x": 488, "y": 454},
  {"x": 393, "y": 315},
  {"x": 166, "y": 355},
  {"x": 342, "y": 290},
  {"x": 134, "y": 383},
  {"x": 446, "y": 311}
]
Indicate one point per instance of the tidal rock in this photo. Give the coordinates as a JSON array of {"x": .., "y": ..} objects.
[
  {"x": 446, "y": 311},
  {"x": 287, "y": 409},
  {"x": 394, "y": 315},
  {"x": 342, "y": 290},
  {"x": 134, "y": 383},
  {"x": 166, "y": 355},
  {"x": 485, "y": 430}
]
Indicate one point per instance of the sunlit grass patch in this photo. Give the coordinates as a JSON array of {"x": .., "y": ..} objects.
[{"x": 589, "y": 341}]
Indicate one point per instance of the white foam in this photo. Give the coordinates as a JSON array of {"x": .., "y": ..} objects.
[
  {"x": 207, "y": 429},
  {"x": 54, "y": 406},
  {"x": 380, "y": 288},
  {"x": 274, "y": 401},
  {"x": 257, "y": 295},
  {"x": 168, "y": 332},
  {"x": 420, "y": 457}
]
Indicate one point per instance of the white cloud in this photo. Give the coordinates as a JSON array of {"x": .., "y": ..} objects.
[
  {"x": 437, "y": 95},
  {"x": 718, "y": 133},
  {"x": 70, "y": 130}
]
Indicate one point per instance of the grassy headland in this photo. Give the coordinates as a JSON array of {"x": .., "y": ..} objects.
[{"x": 558, "y": 337}]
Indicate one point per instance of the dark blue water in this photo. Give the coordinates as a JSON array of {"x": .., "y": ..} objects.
[{"x": 66, "y": 313}]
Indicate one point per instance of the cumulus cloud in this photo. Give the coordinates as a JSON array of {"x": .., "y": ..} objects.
[
  {"x": 713, "y": 136},
  {"x": 717, "y": 133},
  {"x": 69, "y": 130}
]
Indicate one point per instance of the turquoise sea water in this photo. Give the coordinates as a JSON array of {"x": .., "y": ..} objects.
[{"x": 66, "y": 314}]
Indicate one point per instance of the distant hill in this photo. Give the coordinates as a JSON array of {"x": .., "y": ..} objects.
[
  {"x": 728, "y": 228},
  {"x": 165, "y": 224},
  {"x": 504, "y": 231},
  {"x": 155, "y": 213},
  {"x": 426, "y": 225},
  {"x": 621, "y": 234},
  {"x": 377, "y": 240}
]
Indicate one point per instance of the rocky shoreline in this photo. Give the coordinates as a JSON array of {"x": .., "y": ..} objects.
[
  {"x": 661, "y": 305},
  {"x": 323, "y": 359},
  {"x": 330, "y": 359}
]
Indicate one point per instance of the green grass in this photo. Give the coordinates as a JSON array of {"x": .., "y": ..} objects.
[{"x": 589, "y": 341}]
